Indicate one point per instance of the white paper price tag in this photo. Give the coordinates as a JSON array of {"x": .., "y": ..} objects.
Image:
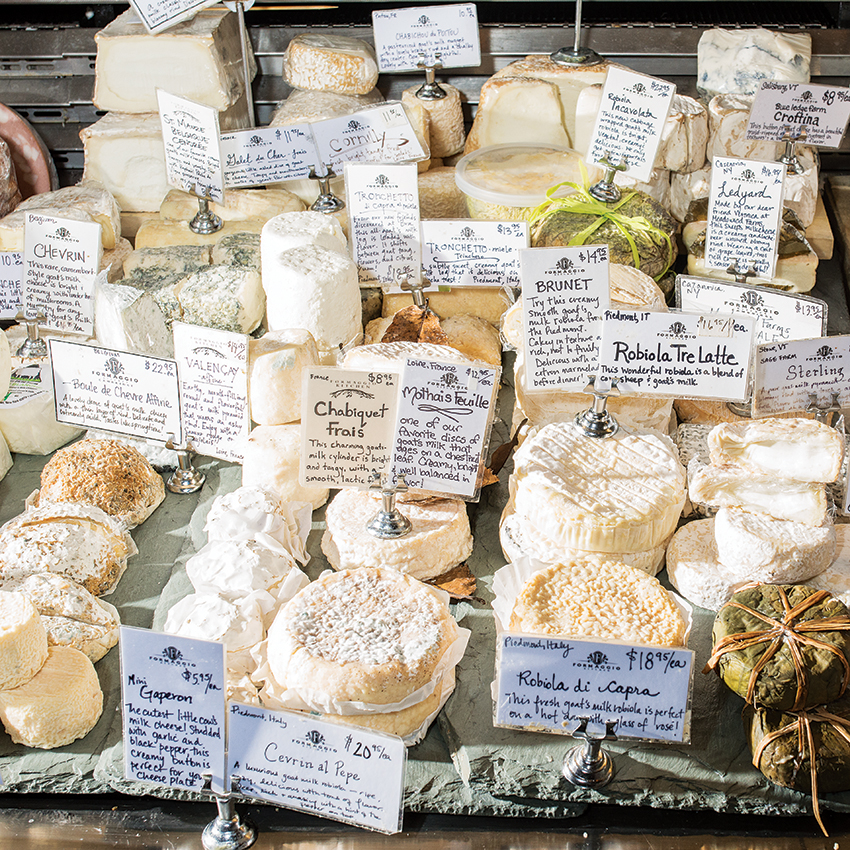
[
  {"x": 444, "y": 416},
  {"x": 564, "y": 293},
  {"x": 302, "y": 762},
  {"x": 403, "y": 35},
  {"x": 547, "y": 684},
  {"x": 173, "y": 696},
  {"x": 630, "y": 120},
  {"x": 821, "y": 111},
  {"x": 379, "y": 134},
  {"x": 11, "y": 282},
  {"x": 744, "y": 214},
  {"x": 61, "y": 262},
  {"x": 213, "y": 369},
  {"x": 192, "y": 152},
  {"x": 347, "y": 424},
  {"x": 119, "y": 391},
  {"x": 268, "y": 155},
  {"x": 469, "y": 253},
  {"x": 158, "y": 15},
  {"x": 779, "y": 315},
  {"x": 383, "y": 215},
  {"x": 786, "y": 373},
  {"x": 677, "y": 354}
]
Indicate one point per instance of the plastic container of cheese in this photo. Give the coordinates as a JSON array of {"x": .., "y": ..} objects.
[{"x": 507, "y": 182}]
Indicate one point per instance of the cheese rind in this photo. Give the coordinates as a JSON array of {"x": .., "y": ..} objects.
[
  {"x": 128, "y": 319},
  {"x": 292, "y": 229},
  {"x": 230, "y": 298},
  {"x": 445, "y": 128},
  {"x": 439, "y": 195},
  {"x": 239, "y": 204},
  {"x": 23, "y": 640},
  {"x": 309, "y": 106},
  {"x": 335, "y": 63}
]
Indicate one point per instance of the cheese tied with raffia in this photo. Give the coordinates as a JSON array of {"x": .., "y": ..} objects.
[
  {"x": 797, "y": 449},
  {"x": 621, "y": 494},
  {"x": 604, "y": 601},
  {"x": 23, "y": 640}
]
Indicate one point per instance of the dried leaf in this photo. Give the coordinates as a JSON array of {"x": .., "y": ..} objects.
[
  {"x": 459, "y": 582},
  {"x": 500, "y": 455},
  {"x": 415, "y": 324},
  {"x": 489, "y": 477}
]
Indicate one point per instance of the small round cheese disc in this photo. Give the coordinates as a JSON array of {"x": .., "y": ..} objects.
[
  {"x": 237, "y": 566},
  {"x": 439, "y": 540},
  {"x": 61, "y": 703},
  {"x": 106, "y": 473},
  {"x": 23, "y": 639},
  {"x": 607, "y": 601},
  {"x": 237, "y": 621},
  {"x": 371, "y": 635}
]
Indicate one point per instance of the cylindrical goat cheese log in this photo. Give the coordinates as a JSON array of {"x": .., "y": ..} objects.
[
  {"x": 23, "y": 640},
  {"x": 446, "y": 125}
]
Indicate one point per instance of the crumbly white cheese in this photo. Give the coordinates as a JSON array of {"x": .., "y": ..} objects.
[
  {"x": 756, "y": 547},
  {"x": 129, "y": 319},
  {"x": 61, "y": 703},
  {"x": 439, "y": 539},
  {"x": 23, "y": 640},
  {"x": 797, "y": 449},
  {"x": 230, "y": 298},
  {"x": 199, "y": 59},
  {"x": 335, "y": 63},
  {"x": 619, "y": 494}
]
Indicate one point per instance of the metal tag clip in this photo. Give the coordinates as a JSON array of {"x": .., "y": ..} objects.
[
  {"x": 605, "y": 190},
  {"x": 227, "y": 831},
  {"x": 415, "y": 288},
  {"x": 578, "y": 55},
  {"x": 740, "y": 275},
  {"x": 588, "y": 765},
  {"x": 430, "y": 89},
  {"x": 789, "y": 157},
  {"x": 185, "y": 479},
  {"x": 389, "y": 523},
  {"x": 327, "y": 202},
  {"x": 205, "y": 220},
  {"x": 33, "y": 347},
  {"x": 597, "y": 421}
]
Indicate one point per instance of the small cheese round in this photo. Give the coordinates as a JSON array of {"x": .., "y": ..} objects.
[
  {"x": 371, "y": 635},
  {"x": 474, "y": 337},
  {"x": 248, "y": 512},
  {"x": 237, "y": 566},
  {"x": 61, "y": 703},
  {"x": 106, "y": 473},
  {"x": 607, "y": 601},
  {"x": 235, "y": 622},
  {"x": 23, "y": 640},
  {"x": 439, "y": 539}
]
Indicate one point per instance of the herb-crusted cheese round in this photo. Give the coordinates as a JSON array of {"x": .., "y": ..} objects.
[
  {"x": 371, "y": 635},
  {"x": 607, "y": 601},
  {"x": 23, "y": 640},
  {"x": 620, "y": 494}
]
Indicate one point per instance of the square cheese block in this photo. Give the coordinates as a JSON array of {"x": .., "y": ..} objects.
[
  {"x": 736, "y": 61},
  {"x": 129, "y": 319},
  {"x": 276, "y": 363},
  {"x": 239, "y": 204},
  {"x": 200, "y": 59},
  {"x": 329, "y": 62}
]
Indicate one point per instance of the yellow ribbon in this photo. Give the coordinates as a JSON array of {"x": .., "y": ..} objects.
[{"x": 582, "y": 202}]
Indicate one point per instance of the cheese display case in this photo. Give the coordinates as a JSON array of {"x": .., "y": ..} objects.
[{"x": 638, "y": 535}]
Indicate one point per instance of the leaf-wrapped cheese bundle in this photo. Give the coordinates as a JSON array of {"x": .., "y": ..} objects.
[{"x": 783, "y": 646}]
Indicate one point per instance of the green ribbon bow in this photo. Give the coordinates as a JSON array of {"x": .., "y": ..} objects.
[{"x": 582, "y": 202}]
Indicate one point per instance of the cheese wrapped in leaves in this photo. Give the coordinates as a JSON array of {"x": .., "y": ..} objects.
[{"x": 783, "y": 646}]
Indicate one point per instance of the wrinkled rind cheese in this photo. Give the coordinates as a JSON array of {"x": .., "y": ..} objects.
[
  {"x": 238, "y": 567},
  {"x": 234, "y": 620},
  {"x": 199, "y": 59},
  {"x": 607, "y": 601},
  {"x": 621, "y": 494},
  {"x": 335, "y": 63},
  {"x": 755, "y": 547},
  {"x": 439, "y": 195},
  {"x": 78, "y": 541},
  {"x": 61, "y": 703},
  {"x": 309, "y": 106},
  {"x": 797, "y": 449},
  {"x": 23, "y": 639},
  {"x": 369, "y": 635},
  {"x": 439, "y": 539},
  {"x": 230, "y": 298},
  {"x": 445, "y": 128},
  {"x": 239, "y": 205}
]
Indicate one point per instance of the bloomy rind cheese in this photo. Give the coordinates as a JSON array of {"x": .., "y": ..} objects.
[
  {"x": 335, "y": 63},
  {"x": 61, "y": 703},
  {"x": 23, "y": 640}
]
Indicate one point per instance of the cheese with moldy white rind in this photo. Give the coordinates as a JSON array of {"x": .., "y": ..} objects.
[
  {"x": 798, "y": 449},
  {"x": 229, "y": 298},
  {"x": 445, "y": 128},
  {"x": 199, "y": 59},
  {"x": 160, "y": 234},
  {"x": 736, "y": 61},
  {"x": 239, "y": 204},
  {"x": 835, "y": 579},
  {"x": 129, "y": 319},
  {"x": 686, "y": 188},
  {"x": 12, "y": 225},
  {"x": 276, "y": 362},
  {"x": 61, "y": 703},
  {"x": 420, "y": 120},
  {"x": 309, "y": 106},
  {"x": 238, "y": 249},
  {"x": 683, "y": 138},
  {"x": 23, "y": 640},
  {"x": 488, "y": 303},
  {"x": 439, "y": 195},
  {"x": 438, "y": 541},
  {"x": 336, "y": 63},
  {"x": 271, "y": 461},
  {"x": 693, "y": 567},
  {"x": 233, "y": 619},
  {"x": 297, "y": 229},
  {"x": 621, "y": 494},
  {"x": 756, "y": 547},
  {"x": 316, "y": 289},
  {"x": 731, "y": 486},
  {"x": 127, "y": 155}
]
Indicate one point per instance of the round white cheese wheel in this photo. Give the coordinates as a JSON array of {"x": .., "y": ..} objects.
[
  {"x": 439, "y": 540},
  {"x": 297, "y": 229},
  {"x": 61, "y": 703},
  {"x": 23, "y": 640}
]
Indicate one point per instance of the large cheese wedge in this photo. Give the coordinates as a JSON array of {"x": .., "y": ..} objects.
[
  {"x": 129, "y": 319},
  {"x": 438, "y": 541},
  {"x": 199, "y": 59},
  {"x": 330, "y": 62},
  {"x": 620, "y": 494},
  {"x": 797, "y": 449},
  {"x": 229, "y": 298},
  {"x": 23, "y": 640},
  {"x": 61, "y": 703}
]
